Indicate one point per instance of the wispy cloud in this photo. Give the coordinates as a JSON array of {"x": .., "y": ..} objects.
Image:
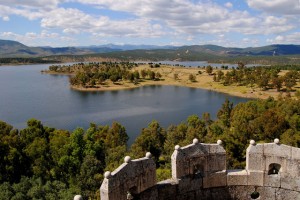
[{"x": 193, "y": 21}]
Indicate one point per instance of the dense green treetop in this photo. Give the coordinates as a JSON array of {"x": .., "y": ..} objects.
[{"x": 39, "y": 162}]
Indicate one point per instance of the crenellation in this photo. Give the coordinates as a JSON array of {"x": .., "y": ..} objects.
[
  {"x": 216, "y": 179},
  {"x": 199, "y": 172},
  {"x": 279, "y": 150},
  {"x": 295, "y": 153},
  {"x": 131, "y": 178},
  {"x": 237, "y": 177},
  {"x": 255, "y": 177},
  {"x": 254, "y": 158}
]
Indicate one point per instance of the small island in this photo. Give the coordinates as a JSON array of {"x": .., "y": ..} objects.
[{"x": 250, "y": 82}]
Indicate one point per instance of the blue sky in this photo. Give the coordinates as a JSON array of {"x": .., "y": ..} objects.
[{"x": 232, "y": 23}]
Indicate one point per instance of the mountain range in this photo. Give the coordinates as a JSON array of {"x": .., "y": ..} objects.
[{"x": 9, "y": 48}]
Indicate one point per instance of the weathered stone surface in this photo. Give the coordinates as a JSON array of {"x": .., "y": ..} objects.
[
  {"x": 279, "y": 150},
  {"x": 216, "y": 179},
  {"x": 199, "y": 173},
  {"x": 295, "y": 153},
  {"x": 198, "y": 158},
  {"x": 133, "y": 177},
  {"x": 237, "y": 177},
  {"x": 254, "y": 158},
  {"x": 272, "y": 180},
  {"x": 255, "y": 178},
  {"x": 190, "y": 184},
  {"x": 167, "y": 189},
  {"x": 282, "y": 194},
  {"x": 267, "y": 193},
  {"x": 290, "y": 183}
]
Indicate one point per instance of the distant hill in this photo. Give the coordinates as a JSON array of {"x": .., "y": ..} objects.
[
  {"x": 10, "y": 48},
  {"x": 271, "y": 50},
  {"x": 206, "y": 52}
]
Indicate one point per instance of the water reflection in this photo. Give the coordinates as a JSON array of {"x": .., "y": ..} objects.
[{"x": 26, "y": 93}]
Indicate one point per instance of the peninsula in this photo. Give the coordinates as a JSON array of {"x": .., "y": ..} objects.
[{"x": 254, "y": 82}]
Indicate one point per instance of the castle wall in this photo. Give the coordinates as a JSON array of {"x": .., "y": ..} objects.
[
  {"x": 199, "y": 173},
  {"x": 273, "y": 165},
  {"x": 203, "y": 162},
  {"x": 130, "y": 179}
]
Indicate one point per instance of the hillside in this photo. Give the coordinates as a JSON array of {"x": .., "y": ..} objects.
[
  {"x": 264, "y": 55},
  {"x": 10, "y": 48}
]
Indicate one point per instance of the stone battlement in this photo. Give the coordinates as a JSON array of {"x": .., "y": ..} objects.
[{"x": 199, "y": 172}]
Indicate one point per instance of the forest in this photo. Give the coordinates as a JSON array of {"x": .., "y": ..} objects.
[
  {"x": 20, "y": 60},
  {"x": 265, "y": 77},
  {"x": 93, "y": 75},
  {"x": 275, "y": 78},
  {"x": 40, "y": 162}
]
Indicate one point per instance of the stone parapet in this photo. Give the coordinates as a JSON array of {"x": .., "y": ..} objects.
[
  {"x": 130, "y": 179},
  {"x": 199, "y": 172},
  {"x": 198, "y": 159}
]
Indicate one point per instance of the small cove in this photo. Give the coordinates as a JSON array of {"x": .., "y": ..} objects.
[{"x": 26, "y": 93}]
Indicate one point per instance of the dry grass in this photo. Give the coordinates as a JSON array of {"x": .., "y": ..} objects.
[{"x": 203, "y": 81}]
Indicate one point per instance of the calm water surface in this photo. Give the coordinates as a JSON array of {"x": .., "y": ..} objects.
[{"x": 26, "y": 93}]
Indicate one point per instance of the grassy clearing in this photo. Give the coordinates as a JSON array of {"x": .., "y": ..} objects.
[{"x": 202, "y": 80}]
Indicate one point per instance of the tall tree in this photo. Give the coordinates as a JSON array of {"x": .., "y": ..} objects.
[
  {"x": 151, "y": 139},
  {"x": 225, "y": 112}
]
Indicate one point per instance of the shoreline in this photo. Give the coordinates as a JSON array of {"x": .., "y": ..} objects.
[
  {"x": 203, "y": 81},
  {"x": 159, "y": 83}
]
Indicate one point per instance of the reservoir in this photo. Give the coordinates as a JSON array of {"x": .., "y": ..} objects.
[{"x": 27, "y": 93}]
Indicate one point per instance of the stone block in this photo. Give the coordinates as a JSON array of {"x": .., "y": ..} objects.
[
  {"x": 293, "y": 167},
  {"x": 240, "y": 192},
  {"x": 256, "y": 178},
  {"x": 279, "y": 150},
  {"x": 217, "y": 179},
  {"x": 187, "y": 196},
  {"x": 282, "y": 194},
  {"x": 295, "y": 153},
  {"x": 237, "y": 177},
  {"x": 266, "y": 193},
  {"x": 291, "y": 183},
  {"x": 198, "y": 165},
  {"x": 216, "y": 162},
  {"x": 272, "y": 180},
  {"x": 216, "y": 149},
  {"x": 167, "y": 189},
  {"x": 186, "y": 185},
  {"x": 149, "y": 194},
  {"x": 180, "y": 165},
  {"x": 254, "y": 157}
]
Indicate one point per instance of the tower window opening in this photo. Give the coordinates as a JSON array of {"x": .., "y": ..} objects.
[{"x": 274, "y": 168}]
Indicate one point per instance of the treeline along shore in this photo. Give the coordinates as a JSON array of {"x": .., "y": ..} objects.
[
  {"x": 251, "y": 82},
  {"x": 40, "y": 162}
]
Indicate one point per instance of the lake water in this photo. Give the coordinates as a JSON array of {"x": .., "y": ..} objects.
[
  {"x": 198, "y": 63},
  {"x": 26, "y": 93}
]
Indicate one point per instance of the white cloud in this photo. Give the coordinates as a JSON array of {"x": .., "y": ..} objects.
[
  {"x": 293, "y": 38},
  {"x": 8, "y": 34},
  {"x": 5, "y": 18},
  {"x": 228, "y": 5},
  {"x": 5, "y": 11},
  {"x": 31, "y": 35},
  {"x": 45, "y": 4},
  {"x": 287, "y": 7},
  {"x": 44, "y": 38},
  {"x": 73, "y": 21},
  {"x": 186, "y": 17}
]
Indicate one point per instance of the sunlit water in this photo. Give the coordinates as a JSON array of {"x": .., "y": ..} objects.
[{"x": 26, "y": 93}]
